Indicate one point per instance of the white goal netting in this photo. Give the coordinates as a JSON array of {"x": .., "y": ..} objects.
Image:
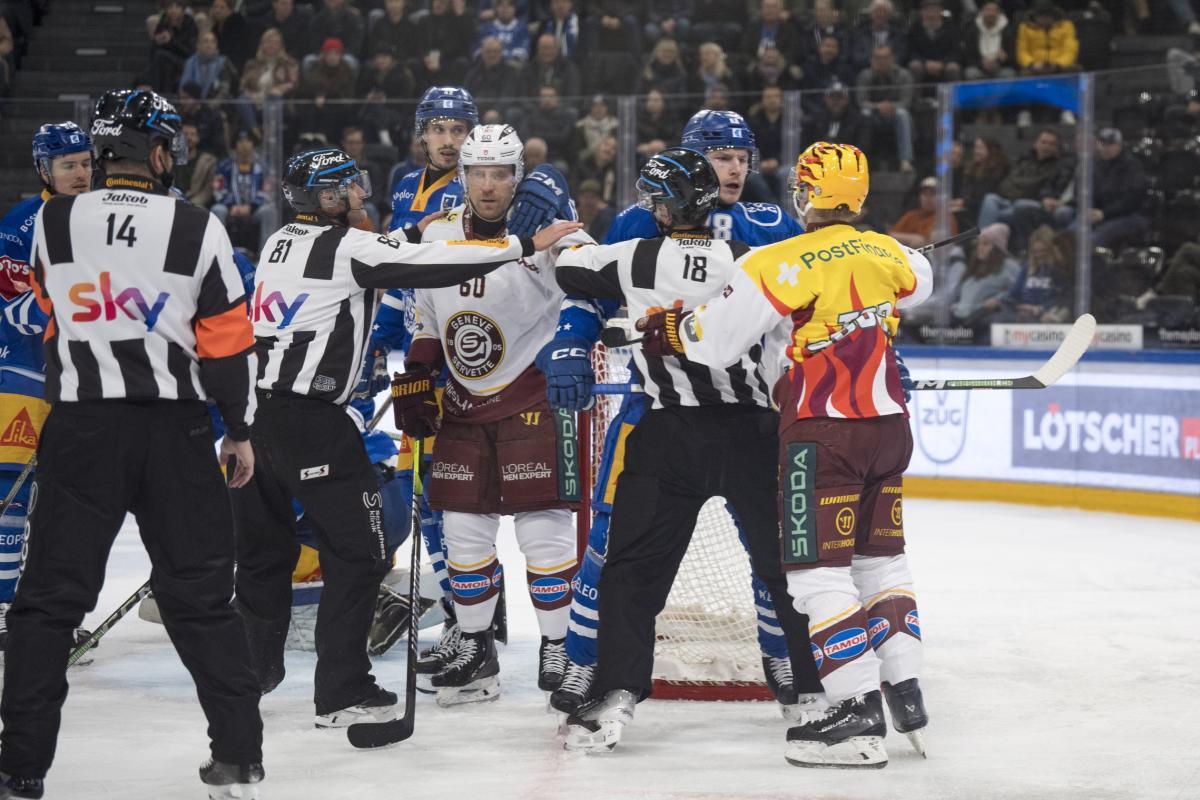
[{"x": 707, "y": 635}]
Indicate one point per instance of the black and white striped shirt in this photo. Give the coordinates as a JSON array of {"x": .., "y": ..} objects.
[
  {"x": 314, "y": 300},
  {"x": 144, "y": 299},
  {"x": 649, "y": 273}
]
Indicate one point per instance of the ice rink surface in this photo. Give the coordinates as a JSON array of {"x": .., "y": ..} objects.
[{"x": 1062, "y": 661}]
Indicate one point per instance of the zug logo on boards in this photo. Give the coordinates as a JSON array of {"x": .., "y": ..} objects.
[
  {"x": 263, "y": 306},
  {"x": 131, "y": 301}
]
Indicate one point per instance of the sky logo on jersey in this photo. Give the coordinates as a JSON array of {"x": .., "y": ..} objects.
[
  {"x": 549, "y": 589},
  {"x": 913, "y": 623},
  {"x": 274, "y": 302},
  {"x": 818, "y": 655},
  {"x": 130, "y": 301},
  {"x": 878, "y": 628},
  {"x": 847, "y": 644},
  {"x": 470, "y": 585}
]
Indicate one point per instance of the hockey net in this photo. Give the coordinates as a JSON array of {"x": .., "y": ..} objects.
[{"x": 706, "y": 646}]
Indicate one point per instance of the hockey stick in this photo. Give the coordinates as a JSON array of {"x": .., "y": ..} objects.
[
  {"x": 123, "y": 609},
  {"x": 969, "y": 233},
  {"x": 18, "y": 483},
  {"x": 1073, "y": 346},
  {"x": 383, "y": 409},
  {"x": 381, "y": 734}
]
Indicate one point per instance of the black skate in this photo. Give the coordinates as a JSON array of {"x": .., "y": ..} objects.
[
  {"x": 435, "y": 659},
  {"x": 500, "y": 619},
  {"x": 847, "y": 736},
  {"x": 266, "y": 638},
  {"x": 778, "y": 672},
  {"x": 474, "y": 674},
  {"x": 576, "y": 683},
  {"x": 908, "y": 711},
  {"x": 226, "y": 781},
  {"x": 378, "y": 706},
  {"x": 552, "y": 663},
  {"x": 12, "y": 786},
  {"x": 596, "y": 726}
]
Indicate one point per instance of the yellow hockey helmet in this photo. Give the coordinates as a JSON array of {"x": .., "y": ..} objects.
[{"x": 835, "y": 175}]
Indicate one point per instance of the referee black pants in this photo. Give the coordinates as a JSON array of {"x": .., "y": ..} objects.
[
  {"x": 311, "y": 450},
  {"x": 96, "y": 461},
  {"x": 675, "y": 460}
]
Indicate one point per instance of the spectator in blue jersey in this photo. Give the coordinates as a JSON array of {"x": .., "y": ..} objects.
[
  {"x": 62, "y": 156},
  {"x": 510, "y": 30},
  {"x": 242, "y": 195},
  {"x": 563, "y": 27},
  {"x": 731, "y": 148}
]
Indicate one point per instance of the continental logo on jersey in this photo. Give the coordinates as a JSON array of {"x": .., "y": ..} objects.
[
  {"x": 500, "y": 244},
  {"x": 474, "y": 343},
  {"x": 131, "y": 183}
]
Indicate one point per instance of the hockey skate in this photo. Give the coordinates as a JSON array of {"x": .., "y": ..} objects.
[
  {"x": 597, "y": 725},
  {"x": 552, "y": 663},
  {"x": 576, "y": 683},
  {"x": 847, "y": 736},
  {"x": 778, "y": 672},
  {"x": 225, "y": 781},
  {"x": 474, "y": 674},
  {"x": 378, "y": 706},
  {"x": 907, "y": 705},
  {"x": 435, "y": 659},
  {"x": 12, "y": 786},
  {"x": 806, "y": 708}
]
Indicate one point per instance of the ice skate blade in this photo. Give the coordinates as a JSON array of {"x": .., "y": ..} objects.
[
  {"x": 234, "y": 791},
  {"x": 349, "y": 716},
  {"x": 425, "y": 684},
  {"x": 483, "y": 690},
  {"x": 579, "y": 739},
  {"x": 917, "y": 739},
  {"x": 857, "y": 752}
]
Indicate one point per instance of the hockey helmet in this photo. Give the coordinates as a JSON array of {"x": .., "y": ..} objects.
[
  {"x": 129, "y": 122},
  {"x": 830, "y": 176},
  {"x": 329, "y": 170},
  {"x": 54, "y": 140},
  {"x": 491, "y": 145},
  {"x": 683, "y": 181},
  {"x": 445, "y": 102},
  {"x": 720, "y": 130}
]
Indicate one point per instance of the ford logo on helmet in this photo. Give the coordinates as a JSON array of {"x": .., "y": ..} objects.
[
  {"x": 103, "y": 127},
  {"x": 328, "y": 159}
]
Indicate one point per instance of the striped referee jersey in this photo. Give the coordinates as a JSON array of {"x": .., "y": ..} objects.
[
  {"x": 144, "y": 301},
  {"x": 315, "y": 300},
  {"x": 650, "y": 274}
]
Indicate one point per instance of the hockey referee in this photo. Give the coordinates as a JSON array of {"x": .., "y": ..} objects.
[
  {"x": 147, "y": 319},
  {"x": 314, "y": 304}
]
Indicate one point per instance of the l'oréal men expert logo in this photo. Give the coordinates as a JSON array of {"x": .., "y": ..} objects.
[{"x": 475, "y": 344}]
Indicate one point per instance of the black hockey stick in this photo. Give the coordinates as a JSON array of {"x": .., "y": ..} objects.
[
  {"x": 969, "y": 233},
  {"x": 18, "y": 483},
  {"x": 367, "y": 735},
  {"x": 123, "y": 609}
]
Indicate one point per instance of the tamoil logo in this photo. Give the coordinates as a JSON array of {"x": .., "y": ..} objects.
[
  {"x": 264, "y": 307},
  {"x": 131, "y": 301}
]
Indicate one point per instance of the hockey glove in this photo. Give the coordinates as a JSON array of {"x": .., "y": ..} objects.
[
  {"x": 414, "y": 402},
  {"x": 906, "y": 381},
  {"x": 540, "y": 199},
  {"x": 662, "y": 332},
  {"x": 567, "y": 364},
  {"x": 374, "y": 376}
]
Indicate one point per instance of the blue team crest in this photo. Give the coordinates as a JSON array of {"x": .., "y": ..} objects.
[
  {"x": 549, "y": 589},
  {"x": 847, "y": 644},
  {"x": 878, "y": 627},
  {"x": 470, "y": 585},
  {"x": 449, "y": 201},
  {"x": 913, "y": 623},
  {"x": 818, "y": 654}
]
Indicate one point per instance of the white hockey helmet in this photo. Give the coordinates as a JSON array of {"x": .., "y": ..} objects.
[{"x": 488, "y": 145}]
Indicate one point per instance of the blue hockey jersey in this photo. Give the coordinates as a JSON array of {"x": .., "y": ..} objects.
[
  {"x": 412, "y": 199},
  {"x": 23, "y": 322},
  {"x": 756, "y": 224}
]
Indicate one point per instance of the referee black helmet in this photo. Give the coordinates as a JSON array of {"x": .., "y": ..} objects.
[
  {"x": 130, "y": 122},
  {"x": 683, "y": 181},
  {"x": 328, "y": 171}
]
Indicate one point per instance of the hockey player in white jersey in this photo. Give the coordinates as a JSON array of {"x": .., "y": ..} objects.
[{"x": 496, "y": 450}]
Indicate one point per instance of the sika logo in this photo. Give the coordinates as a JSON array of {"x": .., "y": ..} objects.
[
  {"x": 264, "y": 307},
  {"x": 130, "y": 301}
]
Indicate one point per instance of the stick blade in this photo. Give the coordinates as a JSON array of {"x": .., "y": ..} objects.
[
  {"x": 371, "y": 735},
  {"x": 1076, "y": 343}
]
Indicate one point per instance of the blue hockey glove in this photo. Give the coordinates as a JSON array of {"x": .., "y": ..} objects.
[
  {"x": 906, "y": 381},
  {"x": 540, "y": 199},
  {"x": 567, "y": 364}
]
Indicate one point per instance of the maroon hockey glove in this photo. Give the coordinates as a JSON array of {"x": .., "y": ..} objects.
[
  {"x": 414, "y": 402},
  {"x": 662, "y": 332}
]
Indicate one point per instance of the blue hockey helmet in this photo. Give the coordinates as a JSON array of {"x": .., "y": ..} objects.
[
  {"x": 445, "y": 102},
  {"x": 720, "y": 130},
  {"x": 58, "y": 139}
]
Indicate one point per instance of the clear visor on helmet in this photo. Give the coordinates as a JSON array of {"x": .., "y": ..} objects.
[
  {"x": 358, "y": 183},
  {"x": 179, "y": 149},
  {"x": 648, "y": 192}
]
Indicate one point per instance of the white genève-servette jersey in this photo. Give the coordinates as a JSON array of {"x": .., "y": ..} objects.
[
  {"x": 492, "y": 327},
  {"x": 660, "y": 273},
  {"x": 315, "y": 300}
]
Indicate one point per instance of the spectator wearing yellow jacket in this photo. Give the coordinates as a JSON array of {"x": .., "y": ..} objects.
[{"x": 1046, "y": 41}]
